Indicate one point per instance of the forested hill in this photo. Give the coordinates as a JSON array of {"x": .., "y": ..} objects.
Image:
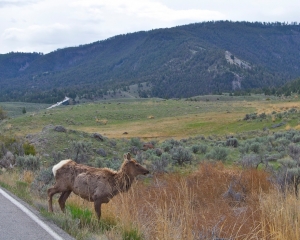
[{"x": 183, "y": 61}]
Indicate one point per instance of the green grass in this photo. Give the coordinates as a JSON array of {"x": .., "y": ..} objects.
[
  {"x": 83, "y": 215},
  {"x": 14, "y": 109},
  {"x": 22, "y": 191},
  {"x": 120, "y": 115},
  {"x": 132, "y": 234}
]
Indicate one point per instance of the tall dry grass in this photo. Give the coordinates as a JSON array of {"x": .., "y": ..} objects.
[
  {"x": 193, "y": 207},
  {"x": 280, "y": 216}
]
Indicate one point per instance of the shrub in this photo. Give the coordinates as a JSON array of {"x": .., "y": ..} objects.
[
  {"x": 250, "y": 116},
  {"x": 28, "y": 162},
  {"x": 203, "y": 148},
  {"x": 29, "y": 149},
  {"x": 17, "y": 148},
  {"x": 113, "y": 163},
  {"x": 195, "y": 148},
  {"x": 181, "y": 155},
  {"x": 245, "y": 148},
  {"x": 160, "y": 164},
  {"x": 80, "y": 151},
  {"x": 279, "y": 135},
  {"x": 42, "y": 182},
  {"x": 57, "y": 157},
  {"x": 283, "y": 141},
  {"x": 294, "y": 151},
  {"x": 170, "y": 144},
  {"x": 2, "y": 114},
  {"x": 232, "y": 142},
  {"x": 289, "y": 173},
  {"x": 136, "y": 142},
  {"x": 218, "y": 153},
  {"x": 255, "y": 147},
  {"x": 262, "y": 116},
  {"x": 251, "y": 161},
  {"x": 296, "y": 138},
  {"x": 279, "y": 115}
]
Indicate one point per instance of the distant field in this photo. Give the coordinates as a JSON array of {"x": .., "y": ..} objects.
[
  {"x": 14, "y": 109},
  {"x": 151, "y": 118}
]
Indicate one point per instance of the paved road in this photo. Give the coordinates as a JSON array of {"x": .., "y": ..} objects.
[{"x": 18, "y": 221}]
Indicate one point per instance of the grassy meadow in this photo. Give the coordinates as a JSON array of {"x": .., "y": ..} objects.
[
  {"x": 153, "y": 119},
  {"x": 217, "y": 193}
]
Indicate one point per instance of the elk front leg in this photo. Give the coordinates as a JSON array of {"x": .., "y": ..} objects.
[
  {"x": 97, "y": 206},
  {"x": 62, "y": 199}
]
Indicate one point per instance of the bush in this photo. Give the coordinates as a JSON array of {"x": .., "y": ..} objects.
[
  {"x": 29, "y": 162},
  {"x": 2, "y": 114},
  {"x": 170, "y": 144},
  {"x": 218, "y": 153},
  {"x": 195, "y": 148},
  {"x": 250, "y": 116},
  {"x": 296, "y": 138},
  {"x": 114, "y": 163},
  {"x": 245, "y": 148},
  {"x": 136, "y": 142},
  {"x": 80, "y": 151},
  {"x": 262, "y": 116},
  {"x": 42, "y": 182},
  {"x": 250, "y": 161},
  {"x": 56, "y": 157},
  {"x": 160, "y": 164},
  {"x": 181, "y": 155},
  {"x": 203, "y": 148},
  {"x": 283, "y": 141},
  {"x": 29, "y": 149},
  {"x": 232, "y": 142},
  {"x": 255, "y": 147}
]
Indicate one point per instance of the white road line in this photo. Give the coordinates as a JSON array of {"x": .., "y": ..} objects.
[{"x": 31, "y": 215}]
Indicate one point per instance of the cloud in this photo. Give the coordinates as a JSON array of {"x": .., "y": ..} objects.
[
  {"x": 45, "y": 25},
  {"x": 17, "y": 3}
]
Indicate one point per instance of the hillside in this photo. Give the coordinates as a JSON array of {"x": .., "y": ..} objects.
[{"x": 183, "y": 61}]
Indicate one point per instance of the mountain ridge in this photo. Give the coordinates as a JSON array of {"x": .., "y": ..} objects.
[{"x": 183, "y": 61}]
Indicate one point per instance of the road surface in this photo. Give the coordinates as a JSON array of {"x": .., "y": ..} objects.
[{"x": 18, "y": 221}]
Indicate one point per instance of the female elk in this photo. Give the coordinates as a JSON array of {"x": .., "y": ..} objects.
[{"x": 96, "y": 185}]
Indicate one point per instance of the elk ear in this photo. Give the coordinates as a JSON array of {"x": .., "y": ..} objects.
[{"x": 127, "y": 156}]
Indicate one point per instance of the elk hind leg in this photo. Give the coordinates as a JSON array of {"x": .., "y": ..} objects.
[
  {"x": 62, "y": 199},
  {"x": 51, "y": 191}
]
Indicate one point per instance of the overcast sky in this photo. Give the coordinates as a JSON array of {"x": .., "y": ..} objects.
[{"x": 46, "y": 25}]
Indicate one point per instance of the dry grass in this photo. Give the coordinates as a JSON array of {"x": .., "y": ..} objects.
[
  {"x": 28, "y": 177},
  {"x": 9, "y": 177},
  {"x": 175, "y": 206},
  {"x": 268, "y": 108},
  {"x": 280, "y": 216}
]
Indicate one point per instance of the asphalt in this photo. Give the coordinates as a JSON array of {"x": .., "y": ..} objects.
[{"x": 19, "y": 221}]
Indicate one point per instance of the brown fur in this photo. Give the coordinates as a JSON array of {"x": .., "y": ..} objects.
[
  {"x": 147, "y": 146},
  {"x": 96, "y": 185}
]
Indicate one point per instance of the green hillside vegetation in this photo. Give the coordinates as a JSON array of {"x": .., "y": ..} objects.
[
  {"x": 179, "y": 62},
  {"x": 288, "y": 89}
]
